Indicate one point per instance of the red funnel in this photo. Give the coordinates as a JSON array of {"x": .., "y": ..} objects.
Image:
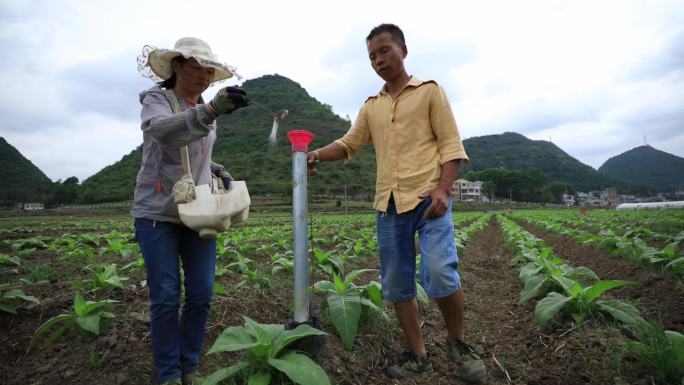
[{"x": 300, "y": 140}]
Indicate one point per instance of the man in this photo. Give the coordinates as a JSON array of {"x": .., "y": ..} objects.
[{"x": 418, "y": 150}]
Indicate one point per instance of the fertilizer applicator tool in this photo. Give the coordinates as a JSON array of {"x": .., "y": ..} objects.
[
  {"x": 300, "y": 140},
  {"x": 277, "y": 117}
]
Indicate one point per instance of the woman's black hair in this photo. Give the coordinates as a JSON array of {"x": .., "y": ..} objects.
[{"x": 171, "y": 82}]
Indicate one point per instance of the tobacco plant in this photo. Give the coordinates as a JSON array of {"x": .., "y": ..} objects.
[
  {"x": 581, "y": 302},
  {"x": 118, "y": 244},
  {"x": 538, "y": 275},
  {"x": 105, "y": 276},
  {"x": 282, "y": 262},
  {"x": 328, "y": 261},
  {"x": 8, "y": 295},
  {"x": 9, "y": 260},
  {"x": 266, "y": 357},
  {"x": 87, "y": 316},
  {"x": 660, "y": 352},
  {"x": 346, "y": 302}
]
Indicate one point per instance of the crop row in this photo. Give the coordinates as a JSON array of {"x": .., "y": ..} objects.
[
  {"x": 668, "y": 259},
  {"x": 576, "y": 293}
]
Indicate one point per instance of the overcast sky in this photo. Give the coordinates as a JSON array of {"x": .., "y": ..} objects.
[{"x": 594, "y": 77}]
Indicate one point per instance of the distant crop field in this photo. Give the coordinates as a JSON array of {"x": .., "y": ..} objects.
[{"x": 552, "y": 296}]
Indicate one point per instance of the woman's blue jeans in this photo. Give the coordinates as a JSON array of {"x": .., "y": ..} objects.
[{"x": 176, "y": 342}]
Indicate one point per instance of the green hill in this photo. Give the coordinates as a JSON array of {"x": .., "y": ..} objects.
[
  {"x": 115, "y": 182},
  {"x": 22, "y": 181},
  {"x": 659, "y": 170},
  {"x": 243, "y": 147},
  {"x": 514, "y": 151}
]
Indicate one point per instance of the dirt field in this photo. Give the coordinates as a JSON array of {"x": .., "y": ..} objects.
[{"x": 504, "y": 332}]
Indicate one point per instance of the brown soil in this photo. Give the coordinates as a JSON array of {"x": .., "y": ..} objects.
[
  {"x": 500, "y": 328},
  {"x": 507, "y": 330}
]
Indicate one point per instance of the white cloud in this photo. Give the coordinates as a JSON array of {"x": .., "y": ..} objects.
[
  {"x": 594, "y": 76},
  {"x": 80, "y": 147}
]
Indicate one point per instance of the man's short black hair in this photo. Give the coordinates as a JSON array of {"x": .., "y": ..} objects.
[{"x": 397, "y": 34}]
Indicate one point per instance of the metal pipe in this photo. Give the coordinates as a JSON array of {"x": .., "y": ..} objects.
[
  {"x": 300, "y": 140},
  {"x": 301, "y": 268}
]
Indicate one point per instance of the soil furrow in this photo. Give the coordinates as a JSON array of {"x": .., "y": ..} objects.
[
  {"x": 657, "y": 296},
  {"x": 506, "y": 330}
]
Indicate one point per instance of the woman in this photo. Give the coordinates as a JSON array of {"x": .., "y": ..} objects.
[{"x": 174, "y": 115}]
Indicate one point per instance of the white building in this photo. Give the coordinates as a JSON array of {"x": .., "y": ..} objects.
[
  {"x": 34, "y": 206},
  {"x": 466, "y": 191},
  {"x": 568, "y": 200}
]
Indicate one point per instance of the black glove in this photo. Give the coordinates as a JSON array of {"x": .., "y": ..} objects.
[
  {"x": 226, "y": 178},
  {"x": 228, "y": 100}
]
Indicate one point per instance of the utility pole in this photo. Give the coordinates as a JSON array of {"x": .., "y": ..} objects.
[{"x": 346, "y": 205}]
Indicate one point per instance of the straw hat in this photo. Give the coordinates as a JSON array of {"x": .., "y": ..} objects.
[{"x": 155, "y": 63}]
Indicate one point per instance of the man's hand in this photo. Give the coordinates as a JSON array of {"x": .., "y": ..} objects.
[
  {"x": 312, "y": 160},
  {"x": 440, "y": 202}
]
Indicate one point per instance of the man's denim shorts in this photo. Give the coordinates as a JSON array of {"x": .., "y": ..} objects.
[{"x": 396, "y": 243}]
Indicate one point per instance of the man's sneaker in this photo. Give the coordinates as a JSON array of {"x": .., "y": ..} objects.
[
  {"x": 469, "y": 366},
  {"x": 410, "y": 364}
]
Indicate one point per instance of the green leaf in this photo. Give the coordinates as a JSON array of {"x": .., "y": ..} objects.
[
  {"x": 345, "y": 311},
  {"x": 582, "y": 274},
  {"x": 224, "y": 373},
  {"x": 600, "y": 287},
  {"x": 79, "y": 304},
  {"x": 349, "y": 279},
  {"x": 340, "y": 286},
  {"x": 375, "y": 309},
  {"x": 218, "y": 289},
  {"x": 13, "y": 260},
  {"x": 289, "y": 336},
  {"x": 675, "y": 263},
  {"x": 374, "y": 293},
  {"x": 549, "y": 306},
  {"x": 8, "y": 308},
  {"x": 233, "y": 339},
  {"x": 528, "y": 271},
  {"x": 90, "y": 323},
  {"x": 90, "y": 306},
  {"x": 320, "y": 255},
  {"x": 670, "y": 250},
  {"x": 17, "y": 293},
  {"x": 300, "y": 369},
  {"x": 421, "y": 294},
  {"x": 259, "y": 378},
  {"x": 264, "y": 333},
  {"x": 571, "y": 287},
  {"x": 532, "y": 288},
  {"x": 677, "y": 341},
  {"x": 623, "y": 312},
  {"x": 46, "y": 326},
  {"x": 324, "y": 286}
]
